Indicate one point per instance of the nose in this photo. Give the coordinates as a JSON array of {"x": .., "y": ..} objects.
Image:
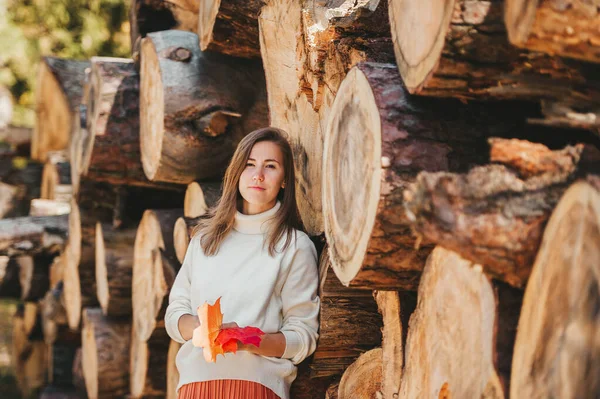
[{"x": 258, "y": 176}]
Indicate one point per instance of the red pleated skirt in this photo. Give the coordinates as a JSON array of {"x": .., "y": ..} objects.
[{"x": 225, "y": 389}]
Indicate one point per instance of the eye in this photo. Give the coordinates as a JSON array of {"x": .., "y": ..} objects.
[
  {"x": 271, "y": 166},
  {"x": 249, "y": 164}
]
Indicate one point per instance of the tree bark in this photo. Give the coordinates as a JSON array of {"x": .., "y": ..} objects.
[
  {"x": 105, "y": 355},
  {"x": 59, "y": 91},
  {"x": 306, "y": 387},
  {"x": 32, "y": 325},
  {"x": 34, "y": 276},
  {"x": 52, "y": 392},
  {"x": 146, "y": 16},
  {"x": 82, "y": 221},
  {"x": 181, "y": 236},
  {"x": 200, "y": 197},
  {"x": 61, "y": 356},
  {"x": 363, "y": 378},
  {"x": 567, "y": 28},
  {"x": 451, "y": 330},
  {"x": 54, "y": 316},
  {"x": 148, "y": 365},
  {"x": 112, "y": 152},
  {"x": 26, "y": 177},
  {"x": 349, "y": 324},
  {"x": 172, "y": 372},
  {"x": 307, "y": 48},
  {"x": 509, "y": 301},
  {"x": 10, "y": 286},
  {"x": 332, "y": 391},
  {"x": 78, "y": 380},
  {"x": 79, "y": 140},
  {"x": 464, "y": 52},
  {"x": 195, "y": 107},
  {"x": 230, "y": 27},
  {"x": 557, "y": 346},
  {"x": 114, "y": 266},
  {"x": 29, "y": 357},
  {"x": 8, "y": 199},
  {"x": 31, "y": 235},
  {"x": 370, "y": 235},
  {"x": 495, "y": 215},
  {"x": 56, "y": 270},
  {"x": 155, "y": 266}
]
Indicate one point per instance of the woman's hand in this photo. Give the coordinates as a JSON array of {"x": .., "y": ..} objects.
[
  {"x": 272, "y": 345},
  {"x": 187, "y": 324}
]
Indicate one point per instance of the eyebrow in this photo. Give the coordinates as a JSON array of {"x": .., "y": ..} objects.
[{"x": 266, "y": 160}]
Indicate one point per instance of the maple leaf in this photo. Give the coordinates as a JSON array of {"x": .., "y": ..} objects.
[
  {"x": 211, "y": 320},
  {"x": 213, "y": 340},
  {"x": 248, "y": 335}
]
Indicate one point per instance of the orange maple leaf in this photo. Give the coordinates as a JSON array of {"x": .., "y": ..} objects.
[
  {"x": 206, "y": 334},
  {"x": 215, "y": 341}
]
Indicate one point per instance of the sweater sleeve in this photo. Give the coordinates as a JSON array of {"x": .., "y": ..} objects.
[
  {"x": 179, "y": 298},
  {"x": 301, "y": 303}
]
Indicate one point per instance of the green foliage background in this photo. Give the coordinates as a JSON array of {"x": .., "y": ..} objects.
[{"x": 78, "y": 29}]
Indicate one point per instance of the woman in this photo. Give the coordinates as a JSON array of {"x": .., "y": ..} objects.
[{"x": 250, "y": 251}]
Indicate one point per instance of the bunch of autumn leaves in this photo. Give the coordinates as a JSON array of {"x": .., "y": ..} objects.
[{"x": 213, "y": 340}]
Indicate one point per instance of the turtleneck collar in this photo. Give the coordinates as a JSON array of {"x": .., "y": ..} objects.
[{"x": 255, "y": 224}]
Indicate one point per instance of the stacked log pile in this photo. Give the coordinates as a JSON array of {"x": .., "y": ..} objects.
[{"x": 447, "y": 157}]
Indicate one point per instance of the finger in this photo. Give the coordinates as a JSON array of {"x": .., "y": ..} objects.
[{"x": 229, "y": 325}]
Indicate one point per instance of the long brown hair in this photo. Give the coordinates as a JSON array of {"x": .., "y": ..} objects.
[{"x": 220, "y": 219}]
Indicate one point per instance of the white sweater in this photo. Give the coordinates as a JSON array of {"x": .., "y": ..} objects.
[{"x": 272, "y": 293}]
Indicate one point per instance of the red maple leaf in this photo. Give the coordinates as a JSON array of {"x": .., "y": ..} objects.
[{"x": 215, "y": 340}]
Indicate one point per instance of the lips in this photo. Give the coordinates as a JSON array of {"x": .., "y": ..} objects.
[{"x": 257, "y": 188}]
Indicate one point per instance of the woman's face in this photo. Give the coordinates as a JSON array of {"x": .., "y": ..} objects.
[{"x": 262, "y": 178}]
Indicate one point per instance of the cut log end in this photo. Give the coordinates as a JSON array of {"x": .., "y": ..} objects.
[
  {"x": 194, "y": 204},
  {"x": 148, "y": 365},
  {"x": 74, "y": 239},
  {"x": 49, "y": 181},
  {"x": 181, "y": 238},
  {"x": 53, "y": 122},
  {"x": 363, "y": 378},
  {"x": 114, "y": 261},
  {"x": 89, "y": 355},
  {"x": 565, "y": 28},
  {"x": 199, "y": 198},
  {"x": 351, "y": 188},
  {"x": 151, "y": 109},
  {"x": 71, "y": 291},
  {"x": 418, "y": 55},
  {"x": 557, "y": 348},
  {"x": 440, "y": 357},
  {"x": 56, "y": 181},
  {"x": 207, "y": 16},
  {"x": 518, "y": 17},
  {"x": 106, "y": 376},
  {"x": 46, "y": 207},
  {"x": 144, "y": 297},
  {"x": 150, "y": 284},
  {"x": 101, "y": 272},
  {"x": 26, "y": 270},
  {"x": 138, "y": 365}
]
